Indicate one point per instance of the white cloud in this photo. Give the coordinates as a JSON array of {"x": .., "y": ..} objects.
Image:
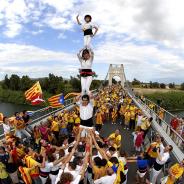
[
  {"x": 14, "y": 53},
  {"x": 12, "y": 29},
  {"x": 143, "y": 62},
  {"x": 122, "y": 23},
  {"x": 39, "y": 71}
]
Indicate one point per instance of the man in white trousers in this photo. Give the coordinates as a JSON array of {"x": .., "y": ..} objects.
[{"x": 159, "y": 163}]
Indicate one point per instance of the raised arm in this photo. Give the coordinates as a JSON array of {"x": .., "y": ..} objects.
[
  {"x": 77, "y": 18},
  {"x": 85, "y": 164},
  {"x": 99, "y": 149},
  {"x": 79, "y": 55},
  {"x": 96, "y": 29}
]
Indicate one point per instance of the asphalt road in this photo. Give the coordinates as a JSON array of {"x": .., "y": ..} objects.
[{"x": 127, "y": 145}]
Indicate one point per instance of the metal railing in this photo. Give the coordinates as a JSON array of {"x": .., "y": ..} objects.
[
  {"x": 45, "y": 112},
  {"x": 163, "y": 122}
]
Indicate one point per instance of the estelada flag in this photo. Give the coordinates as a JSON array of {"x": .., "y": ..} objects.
[
  {"x": 56, "y": 101},
  {"x": 34, "y": 94}
]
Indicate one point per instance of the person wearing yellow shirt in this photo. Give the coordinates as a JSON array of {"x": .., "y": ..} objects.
[
  {"x": 55, "y": 127},
  {"x": 132, "y": 119},
  {"x": 145, "y": 125},
  {"x": 4, "y": 177},
  {"x": 63, "y": 127},
  {"x": 127, "y": 119},
  {"x": 175, "y": 172},
  {"x": 114, "y": 116},
  {"x": 160, "y": 115},
  {"x": 115, "y": 138},
  {"x": 99, "y": 120},
  {"x": 20, "y": 125},
  {"x": 152, "y": 150},
  {"x": 70, "y": 123},
  {"x": 122, "y": 113}
]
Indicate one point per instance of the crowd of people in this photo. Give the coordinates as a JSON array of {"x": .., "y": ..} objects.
[{"x": 62, "y": 151}]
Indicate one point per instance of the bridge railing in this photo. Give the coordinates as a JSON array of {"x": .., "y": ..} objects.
[
  {"x": 163, "y": 121},
  {"x": 46, "y": 112}
]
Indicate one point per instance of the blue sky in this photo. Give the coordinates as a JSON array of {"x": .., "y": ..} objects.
[{"x": 41, "y": 36}]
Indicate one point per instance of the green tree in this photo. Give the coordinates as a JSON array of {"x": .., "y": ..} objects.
[
  {"x": 136, "y": 82},
  {"x": 6, "y": 82},
  {"x": 14, "y": 82},
  {"x": 171, "y": 85},
  {"x": 25, "y": 83},
  {"x": 95, "y": 84},
  {"x": 182, "y": 86},
  {"x": 162, "y": 85},
  {"x": 151, "y": 84},
  {"x": 155, "y": 85},
  {"x": 53, "y": 83},
  {"x": 75, "y": 83}
]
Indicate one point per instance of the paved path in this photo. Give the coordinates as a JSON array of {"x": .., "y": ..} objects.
[{"x": 127, "y": 145}]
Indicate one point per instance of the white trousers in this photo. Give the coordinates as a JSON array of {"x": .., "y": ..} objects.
[
  {"x": 153, "y": 175},
  {"x": 85, "y": 84},
  {"x": 53, "y": 178},
  {"x": 87, "y": 41},
  {"x": 44, "y": 180}
]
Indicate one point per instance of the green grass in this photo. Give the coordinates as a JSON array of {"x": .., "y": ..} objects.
[{"x": 170, "y": 100}]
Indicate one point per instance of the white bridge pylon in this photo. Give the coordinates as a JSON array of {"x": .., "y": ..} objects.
[{"x": 116, "y": 70}]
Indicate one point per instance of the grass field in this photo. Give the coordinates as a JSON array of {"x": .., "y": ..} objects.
[{"x": 154, "y": 90}]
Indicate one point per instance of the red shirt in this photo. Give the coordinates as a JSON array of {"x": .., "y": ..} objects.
[{"x": 174, "y": 123}]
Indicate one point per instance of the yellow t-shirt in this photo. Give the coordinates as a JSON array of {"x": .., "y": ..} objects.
[
  {"x": 177, "y": 171},
  {"x": 99, "y": 118},
  {"x": 116, "y": 139},
  {"x": 70, "y": 119},
  {"x": 132, "y": 115},
  {"x": 19, "y": 124},
  {"x": 77, "y": 120},
  {"x": 3, "y": 173},
  {"x": 127, "y": 116},
  {"x": 145, "y": 124},
  {"x": 55, "y": 126},
  {"x": 152, "y": 153},
  {"x": 98, "y": 172},
  {"x": 120, "y": 169}
]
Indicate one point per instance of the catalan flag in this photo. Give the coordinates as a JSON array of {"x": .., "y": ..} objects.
[
  {"x": 34, "y": 94},
  {"x": 56, "y": 101}
]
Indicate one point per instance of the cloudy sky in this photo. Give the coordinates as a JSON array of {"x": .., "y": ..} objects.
[{"x": 41, "y": 36}]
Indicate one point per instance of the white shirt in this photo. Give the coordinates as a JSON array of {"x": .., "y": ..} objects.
[
  {"x": 165, "y": 156},
  {"x": 86, "y": 112},
  {"x": 87, "y": 25},
  {"x": 6, "y": 128},
  {"x": 139, "y": 120},
  {"x": 48, "y": 166},
  {"x": 106, "y": 179},
  {"x": 75, "y": 173},
  {"x": 86, "y": 64}
]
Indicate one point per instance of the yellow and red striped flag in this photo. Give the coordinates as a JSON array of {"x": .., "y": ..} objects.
[
  {"x": 34, "y": 94},
  {"x": 56, "y": 101}
]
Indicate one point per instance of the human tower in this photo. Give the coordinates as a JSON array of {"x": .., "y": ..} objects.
[{"x": 86, "y": 56}]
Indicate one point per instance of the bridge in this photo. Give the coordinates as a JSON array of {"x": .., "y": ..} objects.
[{"x": 160, "y": 126}]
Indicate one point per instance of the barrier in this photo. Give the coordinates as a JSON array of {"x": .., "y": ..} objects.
[{"x": 43, "y": 113}]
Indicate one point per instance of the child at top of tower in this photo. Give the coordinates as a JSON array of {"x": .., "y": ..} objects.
[{"x": 87, "y": 28}]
